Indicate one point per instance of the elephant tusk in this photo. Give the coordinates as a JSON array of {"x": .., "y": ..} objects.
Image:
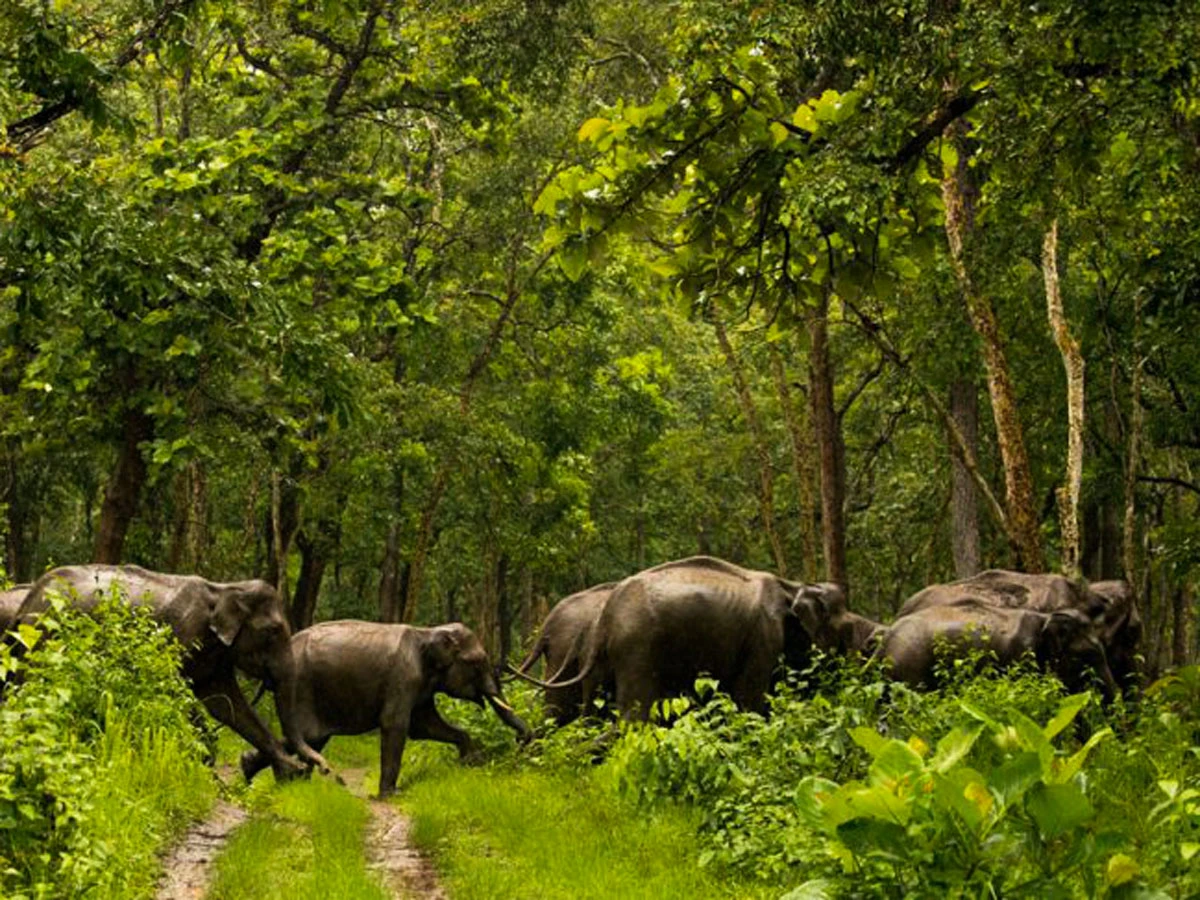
[{"x": 496, "y": 701}]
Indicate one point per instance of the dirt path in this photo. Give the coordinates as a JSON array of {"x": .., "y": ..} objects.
[
  {"x": 405, "y": 871},
  {"x": 188, "y": 868}
]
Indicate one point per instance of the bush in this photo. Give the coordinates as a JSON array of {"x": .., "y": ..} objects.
[{"x": 100, "y": 762}]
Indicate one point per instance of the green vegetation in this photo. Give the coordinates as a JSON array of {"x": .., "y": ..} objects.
[
  {"x": 100, "y": 764},
  {"x": 305, "y": 841}
]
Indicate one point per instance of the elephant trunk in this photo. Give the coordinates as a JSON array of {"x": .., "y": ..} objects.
[
  {"x": 283, "y": 679},
  {"x": 509, "y": 717}
]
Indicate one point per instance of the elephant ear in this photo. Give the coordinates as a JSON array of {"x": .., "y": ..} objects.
[
  {"x": 808, "y": 608},
  {"x": 1062, "y": 629},
  {"x": 443, "y": 646},
  {"x": 230, "y": 610}
]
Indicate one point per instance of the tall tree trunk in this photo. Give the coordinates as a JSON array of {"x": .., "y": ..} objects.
[
  {"x": 829, "y": 445},
  {"x": 1068, "y": 494},
  {"x": 1179, "y": 625},
  {"x": 316, "y": 548},
  {"x": 1133, "y": 449},
  {"x": 18, "y": 560},
  {"x": 766, "y": 479},
  {"x": 124, "y": 487},
  {"x": 796, "y": 420},
  {"x": 504, "y": 610},
  {"x": 964, "y": 500},
  {"x": 389, "y": 578},
  {"x": 1018, "y": 480}
]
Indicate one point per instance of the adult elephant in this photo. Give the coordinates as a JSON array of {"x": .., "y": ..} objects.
[
  {"x": 353, "y": 677},
  {"x": 563, "y": 641},
  {"x": 224, "y": 628},
  {"x": 10, "y": 604},
  {"x": 662, "y": 628},
  {"x": 1064, "y": 642},
  {"x": 1110, "y": 605},
  {"x": 832, "y": 627}
]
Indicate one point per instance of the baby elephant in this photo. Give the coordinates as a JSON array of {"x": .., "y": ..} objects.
[{"x": 353, "y": 677}]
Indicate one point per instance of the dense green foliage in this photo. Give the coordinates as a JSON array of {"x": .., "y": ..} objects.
[{"x": 101, "y": 765}]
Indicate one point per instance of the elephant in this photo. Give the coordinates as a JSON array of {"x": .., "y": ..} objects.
[
  {"x": 832, "y": 627},
  {"x": 223, "y": 628},
  {"x": 1109, "y": 604},
  {"x": 564, "y": 638},
  {"x": 10, "y": 602},
  {"x": 662, "y": 628},
  {"x": 354, "y": 676},
  {"x": 1064, "y": 642}
]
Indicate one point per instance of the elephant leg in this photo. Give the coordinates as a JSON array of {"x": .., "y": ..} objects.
[
  {"x": 391, "y": 751},
  {"x": 636, "y": 693},
  {"x": 428, "y": 725},
  {"x": 224, "y": 700},
  {"x": 749, "y": 689},
  {"x": 254, "y": 761}
]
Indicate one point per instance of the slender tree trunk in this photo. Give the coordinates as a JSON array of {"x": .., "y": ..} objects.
[
  {"x": 315, "y": 552},
  {"x": 1133, "y": 449},
  {"x": 179, "y": 527},
  {"x": 1179, "y": 625},
  {"x": 1068, "y": 494},
  {"x": 1018, "y": 479},
  {"x": 504, "y": 610},
  {"x": 796, "y": 420},
  {"x": 124, "y": 488},
  {"x": 389, "y": 578},
  {"x": 17, "y": 557},
  {"x": 766, "y": 479},
  {"x": 829, "y": 445},
  {"x": 964, "y": 500}
]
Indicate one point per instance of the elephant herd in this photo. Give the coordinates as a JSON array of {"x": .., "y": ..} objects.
[
  {"x": 639, "y": 640},
  {"x": 341, "y": 677},
  {"x": 651, "y": 635}
]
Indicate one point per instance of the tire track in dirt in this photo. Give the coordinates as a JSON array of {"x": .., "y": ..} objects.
[
  {"x": 405, "y": 871},
  {"x": 187, "y": 869}
]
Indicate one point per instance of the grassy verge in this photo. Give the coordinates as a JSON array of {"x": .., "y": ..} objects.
[
  {"x": 501, "y": 833},
  {"x": 305, "y": 841}
]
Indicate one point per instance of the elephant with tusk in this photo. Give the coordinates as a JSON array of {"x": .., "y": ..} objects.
[{"x": 353, "y": 677}]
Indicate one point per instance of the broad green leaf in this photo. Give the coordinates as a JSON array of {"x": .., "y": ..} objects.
[
  {"x": 1121, "y": 869},
  {"x": 804, "y": 118},
  {"x": 1016, "y": 776},
  {"x": 953, "y": 747},
  {"x": 812, "y": 795},
  {"x": 1068, "y": 709},
  {"x": 817, "y": 889},
  {"x": 1065, "y": 770},
  {"x": 573, "y": 259},
  {"x": 593, "y": 128},
  {"x": 1057, "y": 808},
  {"x": 869, "y": 739}
]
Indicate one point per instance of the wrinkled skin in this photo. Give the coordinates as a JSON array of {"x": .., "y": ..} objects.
[
  {"x": 1063, "y": 642},
  {"x": 1110, "y": 605},
  {"x": 353, "y": 677},
  {"x": 563, "y": 641},
  {"x": 10, "y": 604},
  {"x": 664, "y": 627},
  {"x": 223, "y": 628},
  {"x": 822, "y": 611}
]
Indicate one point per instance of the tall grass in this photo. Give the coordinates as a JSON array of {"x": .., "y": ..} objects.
[
  {"x": 505, "y": 833},
  {"x": 304, "y": 843}
]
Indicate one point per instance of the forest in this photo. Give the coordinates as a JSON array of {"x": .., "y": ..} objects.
[{"x": 429, "y": 312}]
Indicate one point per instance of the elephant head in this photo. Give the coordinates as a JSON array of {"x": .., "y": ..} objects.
[
  {"x": 460, "y": 667},
  {"x": 248, "y": 617},
  {"x": 822, "y": 612},
  {"x": 1068, "y": 643}
]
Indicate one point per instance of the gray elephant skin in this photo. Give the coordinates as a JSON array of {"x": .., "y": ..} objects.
[
  {"x": 353, "y": 677},
  {"x": 563, "y": 640},
  {"x": 10, "y": 604},
  {"x": 822, "y": 611},
  {"x": 1063, "y": 642},
  {"x": 662, "y": 628},
  {"x": 223, "y": 628},
  {"x": 1110, "y": 605}
]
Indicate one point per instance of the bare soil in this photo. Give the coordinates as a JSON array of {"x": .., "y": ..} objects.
[
  {"x": 188, "y": 868},
  {"x": 405, "y": 871}
]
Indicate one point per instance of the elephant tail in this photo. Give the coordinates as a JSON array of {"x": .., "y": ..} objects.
[{"x": 536, "y": 652}]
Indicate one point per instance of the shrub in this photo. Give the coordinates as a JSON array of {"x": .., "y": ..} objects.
[{"x": 100, "y": 761}]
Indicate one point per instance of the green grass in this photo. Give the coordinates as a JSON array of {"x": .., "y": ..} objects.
[
  {"x": 305, "y": 842},
  {"x": 502, "y": 833}
]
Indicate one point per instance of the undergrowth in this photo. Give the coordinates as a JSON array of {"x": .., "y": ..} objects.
[{"x": 100, "y": 762}]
